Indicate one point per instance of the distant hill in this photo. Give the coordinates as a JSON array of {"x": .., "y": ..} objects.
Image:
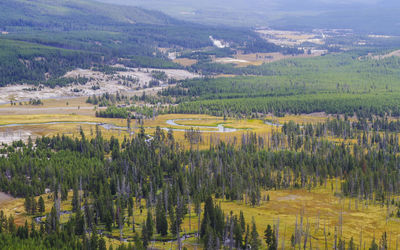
[
  {"x": 367, "y": 16},
  {"x": 51, "y": 22},
  {"x": 74, "y": 14}
]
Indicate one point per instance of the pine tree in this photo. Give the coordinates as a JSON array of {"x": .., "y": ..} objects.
[
  {"x": 254, "y": 240},
  {"x": 79, "y": 223},
  {"x": 33, "y": 205},
  {"x": 139, "y": 245},
  {"x": 242, "y": 221},
  {"x": 41, "y": 205},
  {"x": 149, "y": 224},
  {"x": 383, "y": 242},
  {"x": 133, "y": 223},
  {"x": 247, "y": 237},
  {"x": 94, "y": 240},
  {"x": 237, "y": 234},
  {"x": 33, "y": 229},
  {"x": 268, "y": 234},
  {"x": 28, "y": 204},
  {"x": 351, "y": 244},
  {"x": 145, "y": 236},
  {"x": 208, "y": 217},
  {"x": 75, "y": 199},
  {"x": 161, "y": 219},
  {"x": 102, "y": 244},
  {"x": 52, "y": 222}
]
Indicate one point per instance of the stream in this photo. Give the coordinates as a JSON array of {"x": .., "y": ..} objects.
[
  {"x": 104, "y": 125},
  {"x": 219, "y": 129}
]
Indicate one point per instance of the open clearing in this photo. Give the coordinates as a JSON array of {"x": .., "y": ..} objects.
[
  {"x": 244, "y": 60},
  {"x": 185, "y": 61},
  {"x": 290, "y": 38},
  {"x": 393, "y": 53},
  {"x": 321, "y": 208},
  {"x": 35, "y": 125},
  {"x": 5, "y": 197},
  {"x": 129, "y": 81}
]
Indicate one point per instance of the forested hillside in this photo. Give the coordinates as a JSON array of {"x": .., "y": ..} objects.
[
  {"x": 95, "y": 29},
  {"x": 36, "y": 62},
  {"x": 335, "y": 84}
]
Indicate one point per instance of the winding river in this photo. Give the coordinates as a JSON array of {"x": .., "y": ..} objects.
[
  {"x": 104, "y": 125},
  {"x": 218, "y": 129}
]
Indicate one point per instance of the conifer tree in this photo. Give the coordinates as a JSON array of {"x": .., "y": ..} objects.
[
  {"x": 41, "y": 205},
  {"x": 254, "y": 240}
]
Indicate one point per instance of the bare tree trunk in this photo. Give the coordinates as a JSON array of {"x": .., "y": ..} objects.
[
  {"x": 277, "y": 232},
  {"x": 283, "y": 241},
  {"x": 326, "y": 240},
  {"x": 177, "y": 226},
  {"x": 198, "y": 227},
  {"x": 306, "y": 236},
  {"x": 335, "y": 240},
  {"x": 190, "y": 216},
  {"x": 231, "y": 235}
]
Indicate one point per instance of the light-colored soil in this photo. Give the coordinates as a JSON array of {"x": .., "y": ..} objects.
[
  {"x": 107, "y": 83},
  {"x": 380, "y": 57},
  {"x": 5, "y": 197},
  {"x": 243, "y": 60},
  {"x": 55, "y": 110},
  {"x": 290, "y": 38},
  {"x": 9, "y": 136}
]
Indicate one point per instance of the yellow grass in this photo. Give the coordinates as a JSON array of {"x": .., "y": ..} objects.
[
  {"x": 15, "y": 207},
  {"x": 243, "y": 126},
  {"x": 185, "y": 61},
  {"x": 285, "y": 205}
]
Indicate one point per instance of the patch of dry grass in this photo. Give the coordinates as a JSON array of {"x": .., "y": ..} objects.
[{"x": 285, "y": 205}]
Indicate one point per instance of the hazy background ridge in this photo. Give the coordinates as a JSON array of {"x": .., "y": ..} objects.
[{"x": 367, "y": 16}]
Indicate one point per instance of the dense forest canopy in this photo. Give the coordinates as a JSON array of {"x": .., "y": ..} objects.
[{"x": 335, "y": 84}]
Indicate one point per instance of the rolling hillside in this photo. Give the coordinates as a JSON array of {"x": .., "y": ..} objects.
[
  {"x": 74, "y": 14},
  {"x": 91, "y": 30}
]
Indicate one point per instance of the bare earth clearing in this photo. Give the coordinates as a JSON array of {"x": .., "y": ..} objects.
[
  {"x": 5, "y": 197},
  {"x": 380, "y": 57},
  {"x": 290, "y": 38},
  {"x": 9, "y": 136},
  {"x": 243, "y": 60},
  {"x": 107, "y": 83}
]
